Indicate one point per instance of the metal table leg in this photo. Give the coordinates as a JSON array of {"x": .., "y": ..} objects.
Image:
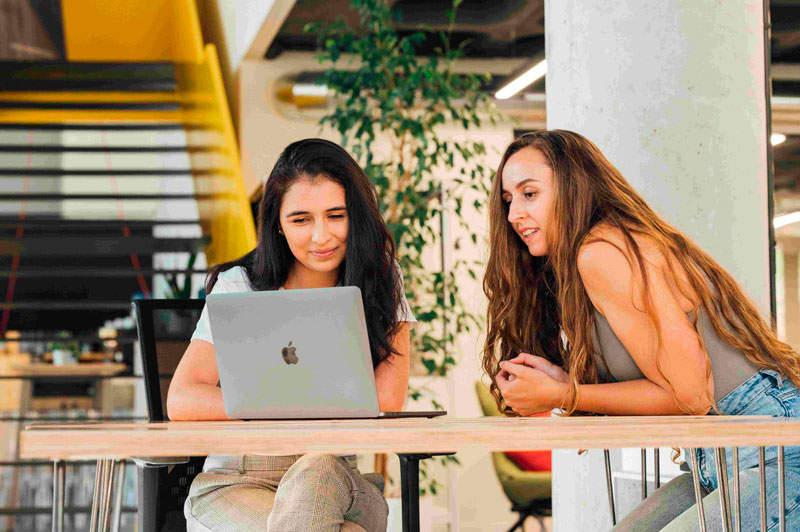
[
  {"x": 610, "y": 487},
  {"x": 59, "y": 474},
  {"x": 781, "y": 489},
  {"x": 108, "y": 488},
  {"x": 698, "y": 492},
  {"x": 722, "y": 480},
  {"x": 737, "y": 500},
  {"x": 118, "y": 487},
  {"x": 98, "y": 476},
  {"x": 644, "y": 473},
  {"x": 409, "y": 483},
  {"x": 657, "y": 466},
  {"x": 101, "y": 502},
  {"x": 762, "y": 473}
]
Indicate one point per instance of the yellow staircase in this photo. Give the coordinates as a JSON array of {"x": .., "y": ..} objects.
[{"x": 80, "y": 223}]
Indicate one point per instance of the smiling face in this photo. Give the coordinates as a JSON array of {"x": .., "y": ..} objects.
[
  {"x": 528, "y": 193},
  {"x": 313, "y": 218}
]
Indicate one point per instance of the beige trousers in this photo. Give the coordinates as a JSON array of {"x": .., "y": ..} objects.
[{"x": 309, "y": 493}]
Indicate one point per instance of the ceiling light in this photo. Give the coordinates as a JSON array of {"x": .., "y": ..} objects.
[
  {"x": 777, "y": 138},
  {"x": 523, "y": 80},
  {"x": 786, "y": 219}
]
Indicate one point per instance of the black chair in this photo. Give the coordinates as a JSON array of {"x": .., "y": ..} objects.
[{"x": 165, "y": 327}]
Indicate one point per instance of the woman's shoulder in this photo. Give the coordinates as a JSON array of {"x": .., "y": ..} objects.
[
  {"x": 606, "y": 258},
  {"x": 607, "y": 247},
  {"x": 234, "y": 280}
]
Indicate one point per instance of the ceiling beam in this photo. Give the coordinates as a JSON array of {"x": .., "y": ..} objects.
[{"x": 269, "y": 28}]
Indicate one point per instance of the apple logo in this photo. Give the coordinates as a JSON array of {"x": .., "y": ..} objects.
[{"x": 288, "y": 354}]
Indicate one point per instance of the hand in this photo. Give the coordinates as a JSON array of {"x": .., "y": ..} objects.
[
  {"x": 542, "y": 364},
  {"x": 530, "y": 391}
]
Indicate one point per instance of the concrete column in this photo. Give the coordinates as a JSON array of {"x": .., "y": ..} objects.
[{"x": 673, "y": 92}]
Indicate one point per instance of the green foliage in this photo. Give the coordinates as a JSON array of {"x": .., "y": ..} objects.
[
  {"x": 181, "y": 291},
  {"x": 64, "y": 342},
  {"x": 391, "y": 106}
]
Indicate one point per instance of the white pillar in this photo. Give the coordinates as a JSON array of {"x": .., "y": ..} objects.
[{"x": 673, "y": 92}]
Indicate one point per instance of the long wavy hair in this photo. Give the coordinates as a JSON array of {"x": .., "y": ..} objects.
[
  {"x": 538, "y": 305},
  {"x": 369, "y": 261}
]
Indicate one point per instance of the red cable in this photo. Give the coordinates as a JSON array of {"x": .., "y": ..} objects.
[
  {"x": 12, "y": 279},
  {"x": 121, "y": 212}
]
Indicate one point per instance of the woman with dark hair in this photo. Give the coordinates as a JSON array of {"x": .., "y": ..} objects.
[
  {"x": 598, "y": 305},
  {"x": 318, "y": 226}
]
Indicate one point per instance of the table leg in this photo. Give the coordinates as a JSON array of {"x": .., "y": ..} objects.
[
  {"x": 101, "y": 502},
  {"x": 409, "y": 482},
  {"x": 26, "y": 391},
  {"x": 98, "y": 476},
  {"x": 118, "y": 492},
  {"x": 59, "y": 473},
  {"x": 108, "y": 488}
]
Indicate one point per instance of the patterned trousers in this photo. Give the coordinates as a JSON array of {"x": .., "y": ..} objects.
[{"x": 309, "y": 493}]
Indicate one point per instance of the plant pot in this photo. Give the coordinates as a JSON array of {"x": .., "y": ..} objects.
[{"x": 63, "y": 357}]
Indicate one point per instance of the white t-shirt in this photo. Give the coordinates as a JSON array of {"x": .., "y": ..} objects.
[{"x": 235, "y": 280}]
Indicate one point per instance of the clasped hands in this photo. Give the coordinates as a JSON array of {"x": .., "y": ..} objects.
[{"x": 531, "y": 385}]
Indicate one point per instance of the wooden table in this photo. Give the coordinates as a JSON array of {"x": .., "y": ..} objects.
[
  {"x": 112, "y": 441},
  {"x": 42, "y": 370}
]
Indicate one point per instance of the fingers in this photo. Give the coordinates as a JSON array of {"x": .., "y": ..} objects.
[
  {"x": 512, "y": 368},
  {"x": 542, "y": 364},
  {"x": 533, "y": 361}
]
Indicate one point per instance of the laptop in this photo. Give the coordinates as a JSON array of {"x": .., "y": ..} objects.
[{"x": 295, "y": 354}]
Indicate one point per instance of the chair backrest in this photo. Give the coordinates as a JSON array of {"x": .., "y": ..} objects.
[
  {"x": 165, "y": 329},
  {"x": 486, "y": 399}
]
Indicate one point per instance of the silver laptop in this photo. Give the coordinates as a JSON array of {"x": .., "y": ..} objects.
[{"x": 295, "y": 354}]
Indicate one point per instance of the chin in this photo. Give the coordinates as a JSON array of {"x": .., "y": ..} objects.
[
  {"x": 317, "y": 265},
  {"x": 537, "y": 251}
]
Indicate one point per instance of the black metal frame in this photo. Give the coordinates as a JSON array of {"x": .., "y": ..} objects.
[{"x": 147, "y": 342}]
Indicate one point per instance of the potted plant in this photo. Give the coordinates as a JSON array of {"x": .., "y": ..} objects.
[{"x": 64, "y": 350}]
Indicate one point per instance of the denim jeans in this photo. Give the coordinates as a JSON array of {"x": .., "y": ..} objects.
[{"x": 672, "y": 508}]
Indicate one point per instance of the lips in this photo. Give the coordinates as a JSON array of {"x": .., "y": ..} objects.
[
  {"x": 527, "y": 233},
  {"x": 323, "y": 253}
]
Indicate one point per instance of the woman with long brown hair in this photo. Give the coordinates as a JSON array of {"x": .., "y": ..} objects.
[{"x": 598, "y": 305}]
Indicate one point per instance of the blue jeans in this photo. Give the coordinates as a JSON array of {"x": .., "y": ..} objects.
[{"x": 672, "y": 507}]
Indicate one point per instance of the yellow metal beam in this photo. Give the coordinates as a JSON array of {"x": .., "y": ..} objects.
[{"x": 132, "y": 30}]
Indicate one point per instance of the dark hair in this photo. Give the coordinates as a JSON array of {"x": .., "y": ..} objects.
[{"x": 369, "y": 261}]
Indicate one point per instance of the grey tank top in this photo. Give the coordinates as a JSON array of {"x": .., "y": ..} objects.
[{"x": 729, "y": 366}]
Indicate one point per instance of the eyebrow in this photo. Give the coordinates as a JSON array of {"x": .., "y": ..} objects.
[
  {"x": 298, "y": 213},
  {"x": 523, "y": 182}
]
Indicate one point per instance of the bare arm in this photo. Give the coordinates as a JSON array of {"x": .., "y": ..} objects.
[
  {"x": 391, "y": 375},
  {"x": 193, "y": 393},
  {"x": 676, "y": 367}
]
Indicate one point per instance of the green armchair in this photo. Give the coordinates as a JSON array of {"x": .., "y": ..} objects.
[{"x": 528, "y": 491}]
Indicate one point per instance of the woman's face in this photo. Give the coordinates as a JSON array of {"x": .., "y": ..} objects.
[
  {"x": 313, "y": 218},
  {"x": 528, "y": 193}
]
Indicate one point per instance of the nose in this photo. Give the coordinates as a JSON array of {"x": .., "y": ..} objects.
[
  {"x": 515, "y": 211},
  {"x": 320, "y": 233}
]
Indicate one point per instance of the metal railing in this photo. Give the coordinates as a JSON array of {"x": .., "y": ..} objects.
[{"x": 731, "y": 521}]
